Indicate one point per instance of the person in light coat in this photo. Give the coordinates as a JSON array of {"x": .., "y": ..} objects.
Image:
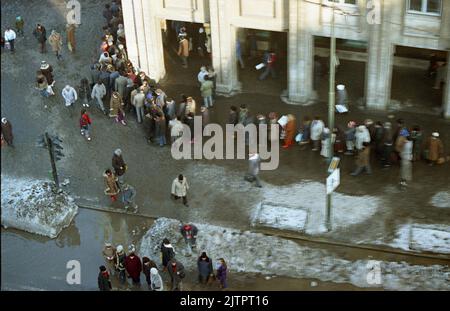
[
  {"x": 317, "y": 127},
  {"x": 176, "y": 129},
  {"x": 362, "y": 135},
  {"x": 10, "y": 37},
  {"x": 55, "y": 41},
  {"x": 69, "y": 94},
  {"x": 405, "y": 163},
  {"x": 180, "y": 187},
  {"x": 325, "y": 151},
  {"x": 254, "y": 162},
  {"x": 98, "y": 92},
  {"x": 156, "y": 283}
]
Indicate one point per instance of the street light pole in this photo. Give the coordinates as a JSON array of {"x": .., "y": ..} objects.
[{"x": 331, "y": 108}]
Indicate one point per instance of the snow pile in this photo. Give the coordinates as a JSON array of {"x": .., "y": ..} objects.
[
  {"x": 311, "y": 196},
  {"x": 431, "y": 238},
  {"x": 32, "y": 206},
  {"x": 441, "y": 199},
  {"x": 268, "y": 255}
]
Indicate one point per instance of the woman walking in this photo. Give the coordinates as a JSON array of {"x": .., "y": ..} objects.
[
  {"x": 221, "y": 273},
  {"x": 112, "y": 189},
  {"x": 55, "y": 41}
]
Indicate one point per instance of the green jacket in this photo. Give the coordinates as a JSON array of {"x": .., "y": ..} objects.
[{"x": 206, "y": 88}]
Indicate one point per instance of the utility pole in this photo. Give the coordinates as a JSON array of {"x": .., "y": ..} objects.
[{"x": 331, "y": 108}]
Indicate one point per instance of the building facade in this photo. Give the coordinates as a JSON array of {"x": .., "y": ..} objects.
[{"x": 382, "y": 24}]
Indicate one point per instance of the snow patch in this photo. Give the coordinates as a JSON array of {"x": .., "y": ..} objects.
[
  {"x": 276, "y": 216},
  {"x": 311, "y": 197},
  {"x": 269, "y": 255},
  {"x": 432, "y": 238},
  {"x": 441, "y": 199},
  {"x": 33, "y": 206}
]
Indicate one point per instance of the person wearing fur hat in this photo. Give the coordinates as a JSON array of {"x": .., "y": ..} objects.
[
  {"x": 47, "y": 71},
  {"x": 6, "y": 133},
  {"x": 205, "y": 268},
  {"x": 112, "y": 189},
  {"x": 350, "y": 137},
  {"x": 435, "y": 148},
  {"x": 176, "y": 273},
  {"x": 119, "y": 165},
  {"x": 120, "y": 264},
  {"x": 133, "y": 265},
  {"x": 55, "y": 41},
  {"x": 70, "y": 95},
  {"x": 104, "y": 284},
  {"x": 363, "y": 160},
  {"x": 109, "y": 253},
  {"x": 41, "y": 36},
  {"x": 167, "y": 252},
  {"x": 156, "y": 282}
]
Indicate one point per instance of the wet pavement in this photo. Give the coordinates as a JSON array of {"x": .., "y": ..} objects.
[{"x": 151, "y": 168}]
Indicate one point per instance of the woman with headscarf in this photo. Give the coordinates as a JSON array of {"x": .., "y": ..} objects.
[{"x": 205, "y": 268}]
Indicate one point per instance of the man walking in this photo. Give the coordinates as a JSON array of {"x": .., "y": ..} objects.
[
  {"x": 128, "y": 197},
  {"x": 363, "y": 160},
  {"x": 179, "y": 189},
  {"x": 138, "y": 103},
  {"x": 189, "y": 233},
  {"x": 119, "y": 165},
  {"x": 183, "y": 51},
  {"x": 176, "y": 272},
  {"x": 41, "y": 36},
  {"x": 70, "y": 95},
  {"x": 10, "y": 37},
  {"x": 55, "y": 41},
  {"x": 98, "y": 92}
]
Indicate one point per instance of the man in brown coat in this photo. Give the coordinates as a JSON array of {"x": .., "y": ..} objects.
[
  {"x": 183, "y": 50},
  {"x": 435, "y": 148},
  {"x": 7, "y": 134},
  {"x": 119, "y": 165},
  {"x": 363, "y": 160}
]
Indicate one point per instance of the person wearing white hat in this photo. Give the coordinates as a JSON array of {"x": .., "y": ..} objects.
[
  {"x": 435, "y": 149},
  {"x": 119, "y": 165},
  {"x": 47, "y": 71},
  {"x": 69, "y": 94},
  {"x": 120, "y": 264}
]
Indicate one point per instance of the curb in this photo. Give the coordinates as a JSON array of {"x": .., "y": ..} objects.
[{"x": 292, "y": 236}]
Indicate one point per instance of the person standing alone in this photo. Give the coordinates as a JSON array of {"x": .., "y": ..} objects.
[
  {"x": 183, "y": 51},
  {"x": 179, "y": 189},
  {"x": 41, "y": 36},
  {"x": 10, "y": 37},
  {"x": 119, "y": 165}
]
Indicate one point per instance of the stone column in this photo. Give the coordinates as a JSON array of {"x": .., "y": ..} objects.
[
  {"x": 143, "y": 35},
  {"x": 379, "y": 63},
  {"x": 223, "y": 36},
  {"x": 300, "y": 55},
  {"x": 130, "y": 30}
]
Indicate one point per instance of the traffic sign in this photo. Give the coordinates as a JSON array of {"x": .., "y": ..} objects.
[{"x": 333, "y": 181}]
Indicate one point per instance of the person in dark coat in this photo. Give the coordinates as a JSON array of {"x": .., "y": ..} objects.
[
  {"x": 47, "y": 71},
  {"x": 7, "y": 134},
  {"x": 205, "y": 268},
  {"x": 176, "y": 272},
  {"x": 133, "y": 266},
  {"x": 189, "y": 233},
  {"x": 84, "y": 92},
  {"x": 160, "y": 129},
  {"x": 41, "y": 36},
  {"x": 233, "y": 117},
  {"x": 147, "y": 265},
  {"x": 119, "y": 165},
  {"x": 167, "y": 252},
  {"x": 104, "y": 284}
]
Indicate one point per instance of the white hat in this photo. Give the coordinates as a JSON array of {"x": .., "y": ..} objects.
[
  {"x": 131, "y": 248},
  {"x": 119, "y": 248},
  {"x": 340, "y": 87},
  {"x": 107, "y": 244},
  {"x": 4, "y": 120},
  {"x": 118, "y": 152},
  {"x": 201, "y": 30},
  {"x": 435, "y": 134},
  {"x": 153, "y": 271}
]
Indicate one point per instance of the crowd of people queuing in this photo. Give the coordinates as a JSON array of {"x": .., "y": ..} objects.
[{"x": 118, "y": 88}]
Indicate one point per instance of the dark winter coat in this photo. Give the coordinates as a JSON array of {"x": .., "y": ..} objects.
[
  {"x": 176, "y": 274},
  {"x": 146, "y": 268},
  {"x": 205, "y": 267},
  {"x": 233, "y": 118},
  {"x": 48, "y": 73},
  {"x": 167, "y": 253},
  {"x": 133, "y": 265},
  {"x": 40, "y": 35},
  {"x": 103, "y": 281},
  {"x": 118, "y": 164},
  {"x": 189, "y": 234}
]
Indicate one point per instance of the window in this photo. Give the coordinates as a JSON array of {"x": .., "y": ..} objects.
[{"x": 432, "y": 7}]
